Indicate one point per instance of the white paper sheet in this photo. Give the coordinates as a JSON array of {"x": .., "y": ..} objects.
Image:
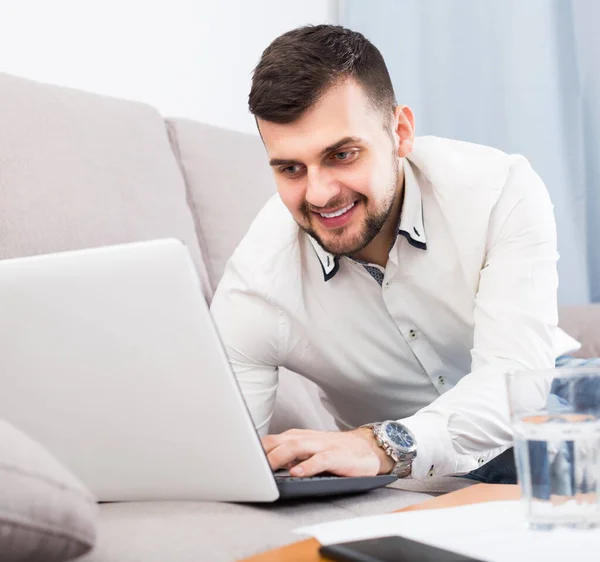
[{"x": 491, "y": 531}]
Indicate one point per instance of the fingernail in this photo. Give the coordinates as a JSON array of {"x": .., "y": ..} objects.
[{"x": 298, "y": 471}]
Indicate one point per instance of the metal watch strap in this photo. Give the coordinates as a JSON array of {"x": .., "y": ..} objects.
[{"x": 402, "y": 464}]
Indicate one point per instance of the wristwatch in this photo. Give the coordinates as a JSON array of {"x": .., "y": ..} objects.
[{"x": 398, "y": 442}]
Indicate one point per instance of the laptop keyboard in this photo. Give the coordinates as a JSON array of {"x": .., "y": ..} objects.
[
  {"x": 326, "y": 484},
  {"x": 287, "y": 477}
]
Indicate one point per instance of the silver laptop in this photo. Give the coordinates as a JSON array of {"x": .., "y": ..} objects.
[{"x": 110, "y": 359}]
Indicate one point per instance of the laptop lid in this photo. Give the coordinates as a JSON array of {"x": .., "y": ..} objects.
[{"x": 110, "y": 359}]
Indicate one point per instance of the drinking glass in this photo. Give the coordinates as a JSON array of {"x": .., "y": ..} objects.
[{"x": 555, "y": 415}]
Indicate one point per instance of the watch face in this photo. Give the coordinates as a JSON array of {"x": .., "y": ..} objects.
[{"x": 399, "y": 436}]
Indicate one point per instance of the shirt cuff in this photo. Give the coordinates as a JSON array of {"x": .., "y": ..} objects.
[{"x": 436, "y": 455}]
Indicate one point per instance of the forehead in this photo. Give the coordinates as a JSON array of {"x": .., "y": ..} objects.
[{"x": 343, "y": 111}]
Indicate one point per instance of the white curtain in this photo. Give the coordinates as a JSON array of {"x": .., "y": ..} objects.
[{"x": 523, "y": 76}]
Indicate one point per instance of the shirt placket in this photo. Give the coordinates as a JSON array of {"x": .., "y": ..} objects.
[{"x": 424, "y": 352}]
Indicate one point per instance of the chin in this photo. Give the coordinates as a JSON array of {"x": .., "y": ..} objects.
[
  {"x": 343, "y": 241},
  {"x": 339, "y": 245}
]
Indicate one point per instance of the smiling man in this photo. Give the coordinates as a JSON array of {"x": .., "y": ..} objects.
[{"x": 403, "y": 276}]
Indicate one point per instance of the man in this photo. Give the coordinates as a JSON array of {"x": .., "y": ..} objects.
[{"x": 403, "y": 276}]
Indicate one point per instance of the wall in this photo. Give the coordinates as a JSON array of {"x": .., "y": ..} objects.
[
  {"x": 189, "y": 58},
  {"x": 519, "y": 76}
]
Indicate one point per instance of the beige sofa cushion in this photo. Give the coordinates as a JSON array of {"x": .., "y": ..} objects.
[
  {"x": 79, "y": 170},
  {"x": 225, "y": 532},
  {"x": 583, "y": 323},
  {"x": 46, "y": 515},
  {"x": 228, "y": 179}
]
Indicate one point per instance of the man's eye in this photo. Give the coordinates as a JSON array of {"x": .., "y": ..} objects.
[
  {"x": 290, "y": 170},
  {"x": 344, "y": 155}
]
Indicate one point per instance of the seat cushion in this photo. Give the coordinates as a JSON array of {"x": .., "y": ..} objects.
[
  {"x": 78, "y": 170},
  {"x": 46, "y": 514},
  {"x": 223, "y": 532}
]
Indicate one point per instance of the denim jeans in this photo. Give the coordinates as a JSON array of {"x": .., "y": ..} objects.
[{"x": 502, "y": 469}]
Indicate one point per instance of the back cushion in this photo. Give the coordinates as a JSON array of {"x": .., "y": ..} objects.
[
  {"x": 583, "y": 323},
  {"x": 229, "y": 181},
  {"x": 79, "y": 170}
]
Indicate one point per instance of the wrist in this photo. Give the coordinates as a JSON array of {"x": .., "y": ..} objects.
[
  {"x": 386, "y": 463},
  {"x": 398, "y": 443}
]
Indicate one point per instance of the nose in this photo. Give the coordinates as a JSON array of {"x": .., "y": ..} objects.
[{"x": 320, "y": 188}]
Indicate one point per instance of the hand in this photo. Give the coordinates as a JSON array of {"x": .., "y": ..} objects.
[{"x": 344, "y": 453}]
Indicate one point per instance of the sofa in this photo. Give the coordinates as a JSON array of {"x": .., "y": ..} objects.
[{"x": 78, "y": 170}]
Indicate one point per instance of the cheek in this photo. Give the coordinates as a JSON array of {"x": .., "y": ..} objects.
[
  {"x": 381, "y": 179},
  {"x": 292, "y": 197},
  {"x": 363, "y": 180}
]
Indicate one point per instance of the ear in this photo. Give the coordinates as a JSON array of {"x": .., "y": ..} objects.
[{"x": 404, "y": 130}]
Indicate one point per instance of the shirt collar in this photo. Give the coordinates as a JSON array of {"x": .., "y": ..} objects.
[
  {"x": 411, "y": 216},
  {"x": 411, "y": 224}
]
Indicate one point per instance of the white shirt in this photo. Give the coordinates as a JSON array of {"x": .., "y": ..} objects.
[{"x": 468, "y": 294}]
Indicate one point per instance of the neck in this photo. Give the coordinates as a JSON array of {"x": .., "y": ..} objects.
[{"x": 378, "y": 250}]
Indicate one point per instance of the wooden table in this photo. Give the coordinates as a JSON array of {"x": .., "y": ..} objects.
[{"x": 308, "y": 550}]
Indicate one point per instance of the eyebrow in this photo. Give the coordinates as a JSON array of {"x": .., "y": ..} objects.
[{"x": 331, "y": 148}]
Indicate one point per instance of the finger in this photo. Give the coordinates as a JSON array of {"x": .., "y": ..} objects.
[
  {"x": 320, "y": 462},
  {"x": 270, "y": 442},
  {"x": 341, "y": 462},
  {"x": 292, "y": 451}
]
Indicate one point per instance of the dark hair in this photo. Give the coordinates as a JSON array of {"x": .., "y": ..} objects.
[{"x": 298, "y": 67}]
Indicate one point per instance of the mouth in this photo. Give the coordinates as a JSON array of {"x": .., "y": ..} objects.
[{"x": 337, "y": 218}]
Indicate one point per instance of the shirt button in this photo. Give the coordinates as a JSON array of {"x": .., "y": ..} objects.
[
  {"x": 412, "y": 334},
  {"x": 431, "y": 472},
  {"x": 386, "y": 284},
  {"x": 480, "y": 460},
  {"x": 441, "y": 380}
]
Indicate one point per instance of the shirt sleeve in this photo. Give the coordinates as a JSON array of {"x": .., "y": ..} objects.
[
  {"x": 515, "y": 318},
  {"x": 249, "y": 325}
]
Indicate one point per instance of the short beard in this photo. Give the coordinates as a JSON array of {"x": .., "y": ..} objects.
[{"x": 373, "y": 224}]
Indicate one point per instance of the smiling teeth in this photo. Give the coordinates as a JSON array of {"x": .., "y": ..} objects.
[{"x": 338, "y": 213}]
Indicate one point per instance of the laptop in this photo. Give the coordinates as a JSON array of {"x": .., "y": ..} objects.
[{"x": 110, "y": 359}]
